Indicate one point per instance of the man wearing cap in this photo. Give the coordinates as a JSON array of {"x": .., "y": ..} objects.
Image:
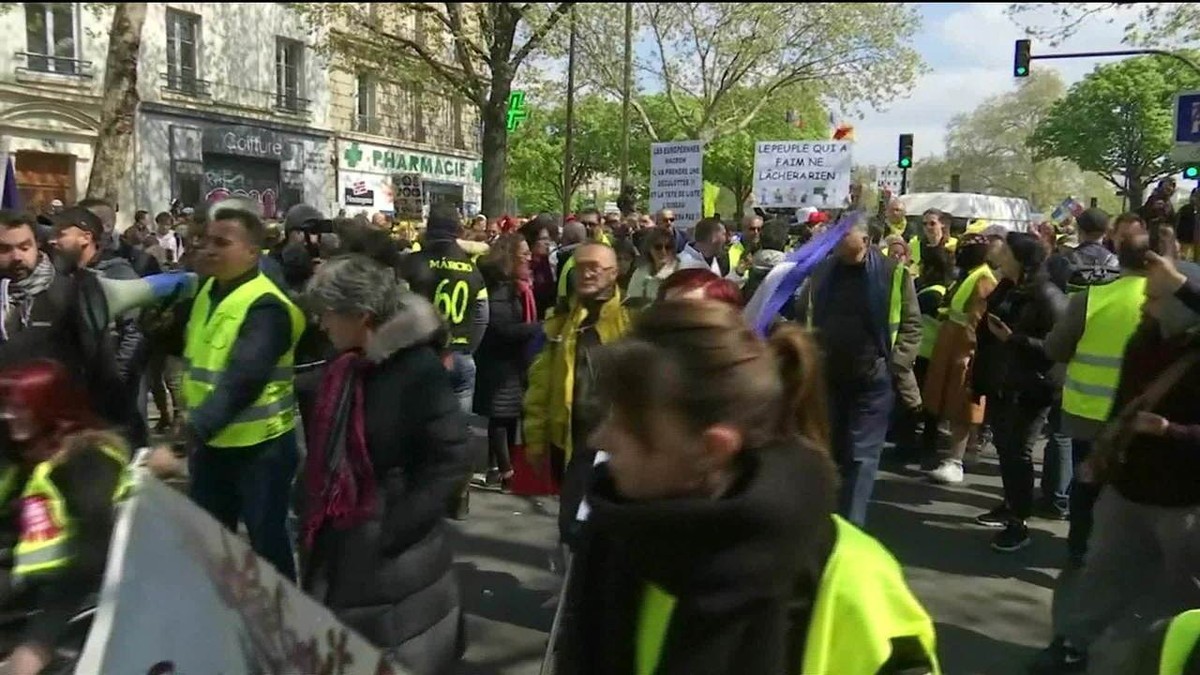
[{"x": 79, "y": 238}]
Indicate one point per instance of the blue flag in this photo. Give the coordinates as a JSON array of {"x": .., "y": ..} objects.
[{"x": 785, "y": 278}]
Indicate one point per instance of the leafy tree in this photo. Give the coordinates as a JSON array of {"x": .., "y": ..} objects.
[
  {"x": 1117, "y": 122},
  {"x": 536, "y": 153},
  {"x": 729, "y": 161},
  {"x": 705, "y": 56},
  {"x": 471, "y": 50},
  {"x": 1149, "y": 23}
]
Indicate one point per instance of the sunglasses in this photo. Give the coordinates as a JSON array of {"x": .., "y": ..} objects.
[{"x": 668, "y": 220}]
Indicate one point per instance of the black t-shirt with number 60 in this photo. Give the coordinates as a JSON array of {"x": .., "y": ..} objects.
[{"x": 453, "y": 285}]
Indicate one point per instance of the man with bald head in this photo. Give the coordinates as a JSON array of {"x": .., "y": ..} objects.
[
  {"x": 574, "y": 234},
  {"x": 665, "y": 219},
  {"x": 895, "y": 223},
  {"x": 560, "y": 413}
]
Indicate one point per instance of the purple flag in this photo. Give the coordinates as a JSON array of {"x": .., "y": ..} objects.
[{"x": 785, "y": 278}]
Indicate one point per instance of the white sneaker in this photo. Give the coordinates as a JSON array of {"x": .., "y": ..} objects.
[{"x": 949, "y": 471}]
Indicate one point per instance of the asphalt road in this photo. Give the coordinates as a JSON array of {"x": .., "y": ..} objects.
[{"x": 992, "y": 610}]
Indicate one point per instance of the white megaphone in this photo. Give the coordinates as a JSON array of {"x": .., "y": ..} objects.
[{"x": 102, "y": 300}]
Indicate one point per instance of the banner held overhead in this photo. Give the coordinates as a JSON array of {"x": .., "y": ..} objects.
[
  {"x": 792, "y": 174},
  {"x": 677, "y": 180}
]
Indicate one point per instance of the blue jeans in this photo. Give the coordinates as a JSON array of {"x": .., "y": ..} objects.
[
  {"x": 253, "y": 485},
  {"x": 462, "y": 379},
  {"x": 1056, "y": 464},
  {"x": 859, "y": 416}
]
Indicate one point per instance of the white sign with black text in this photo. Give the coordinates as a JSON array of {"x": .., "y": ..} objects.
[
  {"x": 792, "y": 174},
  {"x": 677, "y": 180}
]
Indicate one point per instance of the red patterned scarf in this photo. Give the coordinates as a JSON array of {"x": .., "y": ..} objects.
[
  {"x": 528, "y": 304},
  {"x": 339, "y": 480}
]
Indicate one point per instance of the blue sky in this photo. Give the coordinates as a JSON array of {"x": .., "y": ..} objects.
[{"x": 969, "y": 49}]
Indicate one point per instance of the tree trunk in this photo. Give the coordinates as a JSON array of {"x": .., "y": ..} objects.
[
  {"x": 495, "y": 148},
  {"x": 114, "y": 145},
  {"x": 1136, "y": 192}
]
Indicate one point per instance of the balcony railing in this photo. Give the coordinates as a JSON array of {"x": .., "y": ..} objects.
[
  {"x": 53, "y": 65},
  {"x": 188, "y": 85},
  {"x": 368, "y": 124},
  {"x": 289, "y": 102}
]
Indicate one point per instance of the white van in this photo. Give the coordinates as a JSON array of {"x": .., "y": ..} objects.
[{"x": 1011, "y": 213}]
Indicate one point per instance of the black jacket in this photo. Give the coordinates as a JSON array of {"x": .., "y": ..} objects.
[
  {"x": 391, "y": 578},
  {"x": 69, "y": 324},
  {"x": 1091, "y": 264},
  {"x": 744, "y": 569},
  {"x": 502, "y": 360},
  {"x": 1020, "y": 365}
]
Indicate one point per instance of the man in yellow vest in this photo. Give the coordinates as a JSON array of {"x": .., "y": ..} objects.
[
  {"x": 863, "y": 307},
  {"x": 936, "y": 234},
  {"x": 238, "y": 385},
  {"x": 1091, "y": 340}
]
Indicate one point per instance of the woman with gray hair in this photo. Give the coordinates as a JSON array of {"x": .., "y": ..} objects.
[{"x": 387, "y": 450}]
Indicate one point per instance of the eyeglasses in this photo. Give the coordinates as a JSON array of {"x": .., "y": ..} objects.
[{"x": 668, "y": 220}]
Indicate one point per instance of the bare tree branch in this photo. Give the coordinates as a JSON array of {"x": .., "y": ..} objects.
[{"x": 538, "y": 33}]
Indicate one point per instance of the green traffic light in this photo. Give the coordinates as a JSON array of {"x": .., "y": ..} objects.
[
  {"x": 1020, "y": 71},
  {"x": 904, "y": 163},
  {"x": 1191, "y": 172}
]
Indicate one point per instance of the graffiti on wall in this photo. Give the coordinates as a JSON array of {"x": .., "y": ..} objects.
[{"x": 223, "y": 183}]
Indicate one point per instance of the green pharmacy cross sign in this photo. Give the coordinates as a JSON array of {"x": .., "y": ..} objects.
[{"x": 516, "y": 110}]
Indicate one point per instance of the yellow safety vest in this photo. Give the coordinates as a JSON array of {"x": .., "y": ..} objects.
[
  {"x": 46, "y": 526},
  {"x": 1180, "y": 642},
  {"x": 564, "y": 288},
  {"x": 929, "y": 324},
  {"x": 736, "y": 251},
  {"x": 210, "y": 339},
  {"x": 415, "y": 247},
  {"x": 895, "y": 306},
  {"x": 1113, "y": 312},
  {"x": 862, "y": 603},
  {"x": 957, "y": 311}
]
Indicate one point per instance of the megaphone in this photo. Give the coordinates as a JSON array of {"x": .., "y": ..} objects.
[{"x": 102, "y": 300}]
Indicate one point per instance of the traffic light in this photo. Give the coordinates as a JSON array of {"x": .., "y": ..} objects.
[
  {"x": 1191, "y": 171},
  {"x": 904, "y": 161},
  {"x": 1021, "y": 58}
]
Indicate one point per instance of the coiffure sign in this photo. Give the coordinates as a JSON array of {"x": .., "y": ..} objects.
[{"x": 247, "y": 142}]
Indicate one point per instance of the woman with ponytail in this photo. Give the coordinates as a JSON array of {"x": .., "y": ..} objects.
[{"x": 712, "y": 544}]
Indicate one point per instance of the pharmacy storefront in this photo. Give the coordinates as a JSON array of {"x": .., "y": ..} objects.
[{"x": 370, "y": 177}]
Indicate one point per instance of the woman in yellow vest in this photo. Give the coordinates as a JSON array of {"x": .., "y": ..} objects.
[
  {"x": 63, "y": 473},
  {"x": 713, "y": 548},
  {"x": 947, "y": 390}
]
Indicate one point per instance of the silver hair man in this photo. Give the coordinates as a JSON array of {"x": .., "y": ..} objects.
[{"x": 355, "y": 285}]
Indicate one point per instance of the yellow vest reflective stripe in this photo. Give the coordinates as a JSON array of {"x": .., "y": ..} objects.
[
  {"x": 1113, "y": 312},
  {"x": 604, "y": 239},
  {"x": 962, "y": 293},
  {"x": 210, "y": 340},
  {"x": 564, "y": 288},
  {"x": 46, "y": 527},
  {"x": 1181, "y": 640},
  {"x": 862, "y": 603},
  {"x": 929, "y": 324},
  {"x": 736, "y": 251},
  {"x": 895, "y": 304}
]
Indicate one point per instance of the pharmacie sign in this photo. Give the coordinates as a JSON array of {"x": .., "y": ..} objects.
[{"x": 378, "y": 159}]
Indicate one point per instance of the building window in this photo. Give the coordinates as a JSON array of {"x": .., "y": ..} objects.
[
  {"x": 289, "y": 72},
  {"x": 50, "y": 30},
  {"x": 183, "y": 40},
  {"x": 364, "y": 94}
]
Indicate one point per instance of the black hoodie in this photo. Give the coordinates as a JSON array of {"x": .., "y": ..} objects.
[{"x": 744, "y": 568}]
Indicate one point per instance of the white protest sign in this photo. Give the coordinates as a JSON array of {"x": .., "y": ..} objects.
[
  {"x": 677, "y": 180},
  {"x": 184, "y": 595},
  {"x": 791, "y": 174}
]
